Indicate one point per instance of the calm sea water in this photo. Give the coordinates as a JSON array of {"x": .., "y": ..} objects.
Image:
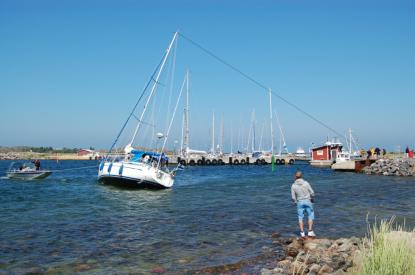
[{"x": 213, "y": 216}]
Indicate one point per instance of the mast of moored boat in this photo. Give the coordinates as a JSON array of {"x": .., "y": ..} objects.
[
  {"x": 185, "y": 129},
  {"x": 260, "y": 140},
  {"x": 282, "y": 137},
  {"x": 212, "y": 150},
  {"x": 231, "y": 138},
  {"x": 222, "y": 135},
  {"x": 253, "y": 133},
  {"x": 270, "y": 113}
]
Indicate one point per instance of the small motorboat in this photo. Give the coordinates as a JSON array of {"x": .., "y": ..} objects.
[{"x": 26, "y": 171}]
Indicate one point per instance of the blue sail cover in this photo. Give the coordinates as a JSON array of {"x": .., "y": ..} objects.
[{"x": 137, "y": 155}]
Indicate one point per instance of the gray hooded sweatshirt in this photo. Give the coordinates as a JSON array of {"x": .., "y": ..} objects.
[{"x": 301, "y": 190}]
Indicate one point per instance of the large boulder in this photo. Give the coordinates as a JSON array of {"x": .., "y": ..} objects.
[
  {"x": 295, "y": 247},
  {"x": 317, "y": 244}
]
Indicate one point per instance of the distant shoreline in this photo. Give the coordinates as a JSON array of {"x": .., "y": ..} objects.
[{"x": 44, "y": 156}]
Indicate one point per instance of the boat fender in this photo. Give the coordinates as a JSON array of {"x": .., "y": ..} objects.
[
  {"x": 214, "y": 162},
  {"x": 291, "y": 161},
  {"x": 208, "y": 162},
  {"x": 199, "y": 162}
]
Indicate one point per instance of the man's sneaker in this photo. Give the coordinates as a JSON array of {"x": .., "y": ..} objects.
[
  {"x": 302, "y": 234},
  {"x": 311, "y": 234}
]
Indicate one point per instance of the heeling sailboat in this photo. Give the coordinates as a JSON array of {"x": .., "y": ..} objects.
[{"x": 141, "y": 169}]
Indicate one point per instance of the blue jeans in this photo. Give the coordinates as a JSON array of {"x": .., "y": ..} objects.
[{"x": 307, "y": 206}]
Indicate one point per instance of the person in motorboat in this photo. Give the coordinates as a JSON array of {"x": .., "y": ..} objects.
[
  {"x": 37, "y": 164},
  {"x": 303, "y": 195}
]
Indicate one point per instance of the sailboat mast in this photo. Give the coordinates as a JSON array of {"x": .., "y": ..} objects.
[
  {"x": 182, "y": 143},
  {"x": 282, "y": 138},
  {"x": 213, "y": 134},
  {"x": 260, "y": 140},
  {"x": 231, "y": 138},
  {"x": 350, "y": 141},
  {"x": 248, "y": 142},
  {"x": 253, "y": 132},
  {"x": 154, "y": 86},
  {"x": 186, "y": 122},
  {"x": 222, "y": 135},
  {"x": 270, "y": 113}
]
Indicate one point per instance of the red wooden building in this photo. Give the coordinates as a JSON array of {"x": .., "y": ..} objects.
[
  {"x": 85, "y": 152},
  {"x": 325, "y": 155}
]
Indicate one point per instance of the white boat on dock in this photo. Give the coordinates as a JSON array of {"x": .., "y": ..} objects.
[{"x": 344, "y": 162}]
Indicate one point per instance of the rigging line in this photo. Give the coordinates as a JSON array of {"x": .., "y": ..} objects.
[
  {"x": 171, "y": 123},
  {"x": 77, "y": 168},
  {"x": 135, "y": 107},
  {"x": 170, "y": 74},
  {"x": 143, "y": 122},
  {"x": 259, "y": 84},
  {"x": 158, "y": 82}
]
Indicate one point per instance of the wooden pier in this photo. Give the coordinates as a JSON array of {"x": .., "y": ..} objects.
[{"x": 228, "y": 159}]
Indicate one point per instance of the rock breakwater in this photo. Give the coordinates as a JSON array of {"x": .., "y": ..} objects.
[
  {"x": 316, "y": 256},
  {"x": 391, "y": 167},
  {"x": 10, "y": 156}
]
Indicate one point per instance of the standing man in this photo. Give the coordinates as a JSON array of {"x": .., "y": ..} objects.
[{"x": 302, "y": 194}]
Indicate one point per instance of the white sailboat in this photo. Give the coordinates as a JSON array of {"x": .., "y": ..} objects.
[{"x": 139, "y": 168}]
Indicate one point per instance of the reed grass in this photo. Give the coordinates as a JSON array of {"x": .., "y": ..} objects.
[{"x": 387, "y": 250}]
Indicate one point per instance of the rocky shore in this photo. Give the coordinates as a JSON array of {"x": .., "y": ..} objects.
[
  {"x": 391, "y": 167},
  {"x": 10, "y": 156},
  {"x": 316, "y": 256}
]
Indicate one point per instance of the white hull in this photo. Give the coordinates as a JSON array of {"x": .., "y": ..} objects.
[
  {"x": 134, "y": 174},
  {"x": 321, "y": 163},
  {"x": 346, "y": 165},
  {"x": 28, "y": 175}
]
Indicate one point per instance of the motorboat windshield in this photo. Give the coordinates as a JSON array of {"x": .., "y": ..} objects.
[{"x": 22, "y": 166}]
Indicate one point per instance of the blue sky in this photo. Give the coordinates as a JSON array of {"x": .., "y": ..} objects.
[{"x": 70, "y": 71}]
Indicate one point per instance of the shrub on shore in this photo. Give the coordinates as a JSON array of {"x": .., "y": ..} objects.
[{"x": 387, "y": 250}]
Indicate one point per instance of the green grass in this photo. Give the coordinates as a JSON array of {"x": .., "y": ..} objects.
[{"x": 386, "y": 251}]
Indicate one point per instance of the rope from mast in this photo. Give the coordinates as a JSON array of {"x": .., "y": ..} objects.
[{"x": 259, "y": 84}]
